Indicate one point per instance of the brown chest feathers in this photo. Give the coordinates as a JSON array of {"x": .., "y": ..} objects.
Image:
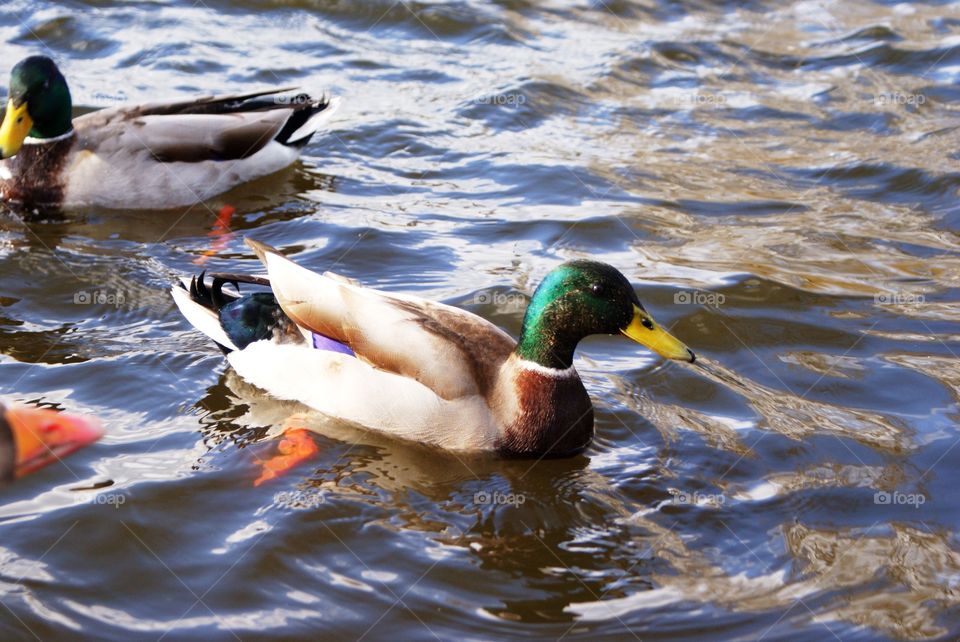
[
  {"x": 554, "y": 417},
  {"x": 37, "y": 179}
]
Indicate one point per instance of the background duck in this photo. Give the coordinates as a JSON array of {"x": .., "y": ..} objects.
[
  {"x": 151, "y": 156},
  {"x": 424, "y": 370},
  {"x": 31, "y": 438}
]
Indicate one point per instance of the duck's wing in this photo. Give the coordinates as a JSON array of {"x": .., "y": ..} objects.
[
  {"x": 207, "y": 128},
  {"x": 451, "y": 351},
  {"x": 352, "y": 390}
]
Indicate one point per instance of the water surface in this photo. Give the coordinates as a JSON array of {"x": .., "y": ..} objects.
[{"x": 780, "y": 181}]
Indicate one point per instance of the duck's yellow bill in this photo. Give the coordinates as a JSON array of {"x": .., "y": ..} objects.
[
  {"x": 645, "y": 331},
  {"x": 16, "y": 125}
]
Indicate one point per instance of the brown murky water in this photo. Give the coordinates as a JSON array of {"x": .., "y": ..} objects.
[{"x": 779, "y": 179}]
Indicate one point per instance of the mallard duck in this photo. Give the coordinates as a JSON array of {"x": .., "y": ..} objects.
[
  {"x": 423, "y": 370},
  {"x": 31, "y": 438},
  {"x": 152, "y": 156}
]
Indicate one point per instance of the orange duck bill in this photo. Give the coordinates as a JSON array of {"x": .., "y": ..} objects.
[{"x": 31, "y": 438}]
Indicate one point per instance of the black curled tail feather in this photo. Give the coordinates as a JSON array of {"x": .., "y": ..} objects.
[
  {"x": 213, "y": 297},
  {"x": 245, "y": 318},
  {"x": 305, "y": 107},
  {"x": 199, "y": 292}
]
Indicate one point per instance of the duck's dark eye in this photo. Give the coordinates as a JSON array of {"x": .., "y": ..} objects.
[
  {"x": 597, "y": 289},
  {"x": 647, "y": 323}
]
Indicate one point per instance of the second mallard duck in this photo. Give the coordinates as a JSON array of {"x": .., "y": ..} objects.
[
  {"x": 419, "y": 369},
  {"x": 152, "y": 156}
]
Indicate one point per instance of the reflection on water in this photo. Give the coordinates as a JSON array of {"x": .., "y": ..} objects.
[{"x": 779, "y": 179}]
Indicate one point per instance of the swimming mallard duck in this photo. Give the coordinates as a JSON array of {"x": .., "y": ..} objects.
[
  {"x": 152, "y": 156},
  {"x": 419, "y": 369},
  {"x": 31, "y": 438}
]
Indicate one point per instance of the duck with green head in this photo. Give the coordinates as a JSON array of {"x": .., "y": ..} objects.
[
  {"x": 419, "y": 369},
  {"x": 152, "y": 156}
]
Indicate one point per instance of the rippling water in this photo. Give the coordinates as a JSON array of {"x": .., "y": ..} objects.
[{"x": 780, "y": 179}]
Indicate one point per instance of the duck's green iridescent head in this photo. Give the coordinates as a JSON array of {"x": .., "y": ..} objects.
[
  {"x": 39, "y": 104},
  {"x": 581, "y": 298}
]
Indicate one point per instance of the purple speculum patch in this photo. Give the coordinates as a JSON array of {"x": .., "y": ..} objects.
[{"x": 321, "y": 342}]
